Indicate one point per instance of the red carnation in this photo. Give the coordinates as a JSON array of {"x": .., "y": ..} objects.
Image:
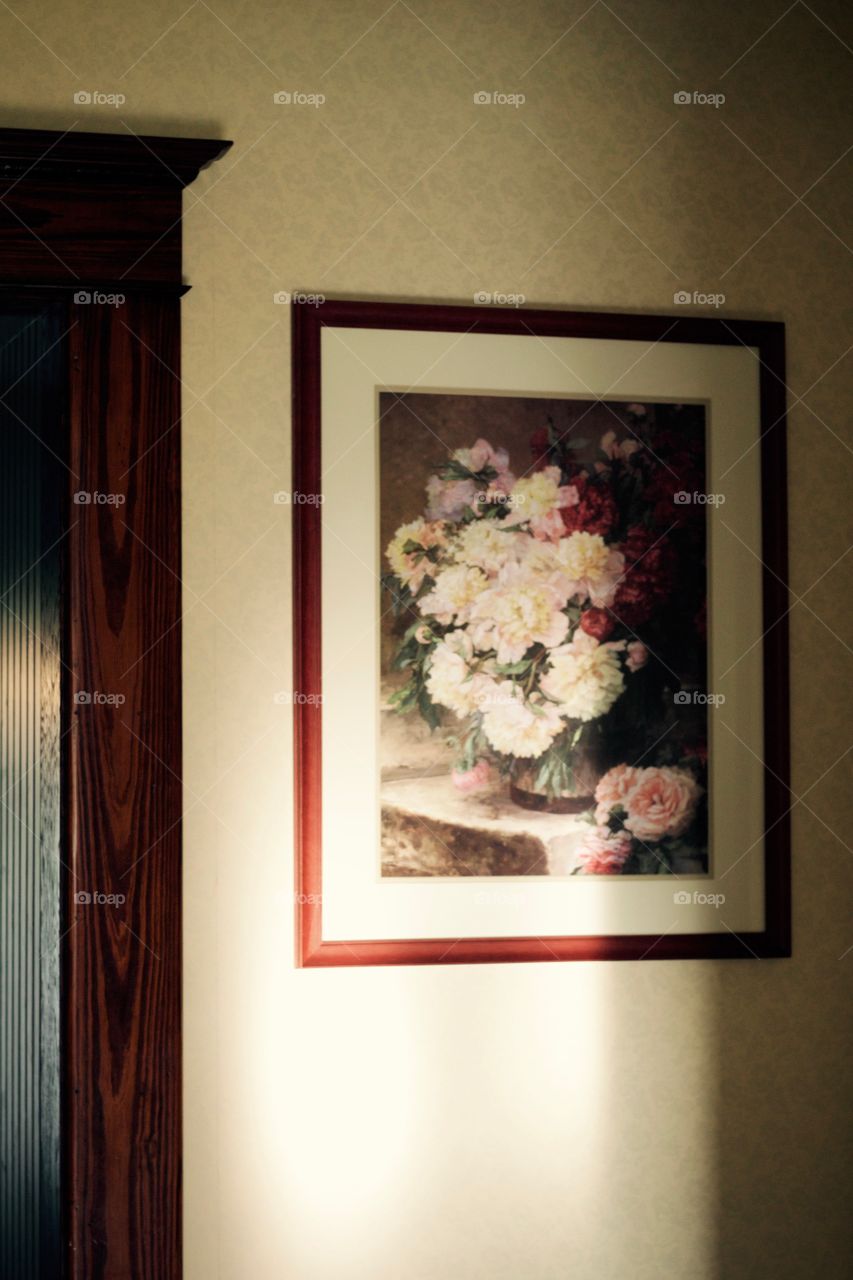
[
  {"x": 597, "y": 623},
  {"x": 595, "y": 511},
  {"x": 649, "y": 576},
  {"x": 682, "y": 476}
]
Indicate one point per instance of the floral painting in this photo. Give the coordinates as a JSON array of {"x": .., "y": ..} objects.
[{"x": 544, "y": 706}]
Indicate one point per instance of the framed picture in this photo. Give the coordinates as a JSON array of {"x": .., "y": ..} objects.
[{"x": 540, "y": 599}]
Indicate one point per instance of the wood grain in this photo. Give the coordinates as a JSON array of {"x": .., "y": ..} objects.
[
  {"x": 86, "y": 212},
  {"x": 82, "y": 236},
  {"x": 123, "y": 819},
  {"x": 84, "y": 207}
]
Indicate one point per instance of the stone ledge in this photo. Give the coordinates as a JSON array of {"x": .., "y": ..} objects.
[{"x": 429, "y": 828}]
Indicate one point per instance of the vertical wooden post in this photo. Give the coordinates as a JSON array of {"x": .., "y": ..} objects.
[
  {"x": 123, "y": 814},
  {"x": 96, "y": 219}
]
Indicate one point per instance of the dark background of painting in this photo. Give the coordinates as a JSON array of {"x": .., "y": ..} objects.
[{"x": 418, "y": 432}]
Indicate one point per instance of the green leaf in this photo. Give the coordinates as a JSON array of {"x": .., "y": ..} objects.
[
  {"x": 544, "y": 773},
  {"x": 428, "y": 709},
  {"x": 404, "y": 699}
]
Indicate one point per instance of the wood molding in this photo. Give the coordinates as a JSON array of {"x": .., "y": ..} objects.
[
  {"x": 80, "y": 212},
  {"x": 83, "y": 207},
  {"x": 114, "y": 158},
  {"x": 122, "y": 966}
]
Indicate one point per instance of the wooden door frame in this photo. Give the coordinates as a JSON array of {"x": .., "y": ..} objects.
[{"x": 93, "y": 218}]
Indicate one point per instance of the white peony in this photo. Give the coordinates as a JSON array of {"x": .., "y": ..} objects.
[
  {"x": 518, "y": 728},
  {"x": 397, "y": 557},
  {"x": 539, "y": 493},
  {"x": 539, "y": 558},
  {"x": 453, "y": 593},
  {"x": 484, "y": 546},
  {"x": 403, "y": 563},
  {"x": 516, "y": 612},
  {"x": 451, "y": 682},
  {"x": 585, "y": 678},
  {"x": 589, "y": 568},
  {"x": 537, "y": 501}
]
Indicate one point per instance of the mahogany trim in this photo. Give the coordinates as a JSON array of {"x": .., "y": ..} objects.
[
  {"x": 105, "y": 157},
  {"x": 122, "y": 820},
  {"x": 166, "y": 288},
  {"x": 768, "y": 338},
  {"x": 80, "y": 212},
  {"x": 77, "y": 209}
]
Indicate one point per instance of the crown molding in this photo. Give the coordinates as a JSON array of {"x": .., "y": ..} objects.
[{"x": 116, "y": 158}]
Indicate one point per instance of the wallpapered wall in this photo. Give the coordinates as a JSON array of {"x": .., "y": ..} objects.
[{"x": 511, "y": 1123}]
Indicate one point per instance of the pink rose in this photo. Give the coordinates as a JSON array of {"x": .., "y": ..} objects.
[
  {"x": 637, "y": 655},
  {"x": 614, "y": 788},
  {"x": 549, "y": 528},
  {"x": 604, "y": 853},
  {"x": 501, "y": 487},
  {"x": 481, "y": 454},
  {"x": 433, "y": 535},
  {"x": 475, "y": 779},
  {"x": 662, "y": 803}
]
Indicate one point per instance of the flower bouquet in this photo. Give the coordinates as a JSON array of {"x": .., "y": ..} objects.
[{"x": 536, "y": 622}]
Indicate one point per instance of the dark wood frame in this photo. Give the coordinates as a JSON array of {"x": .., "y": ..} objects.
[
  {"x": 78, "y": 213},
  {"x": 768, "y": 338}
]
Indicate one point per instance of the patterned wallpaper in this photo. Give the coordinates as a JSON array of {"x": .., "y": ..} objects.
[{"x": 605, "y": 1122}]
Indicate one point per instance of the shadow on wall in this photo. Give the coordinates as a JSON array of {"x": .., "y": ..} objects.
[{"x": 148, "y": 124}]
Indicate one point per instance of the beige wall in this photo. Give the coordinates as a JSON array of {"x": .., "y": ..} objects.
[{"x": 606, "y": 1122}]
